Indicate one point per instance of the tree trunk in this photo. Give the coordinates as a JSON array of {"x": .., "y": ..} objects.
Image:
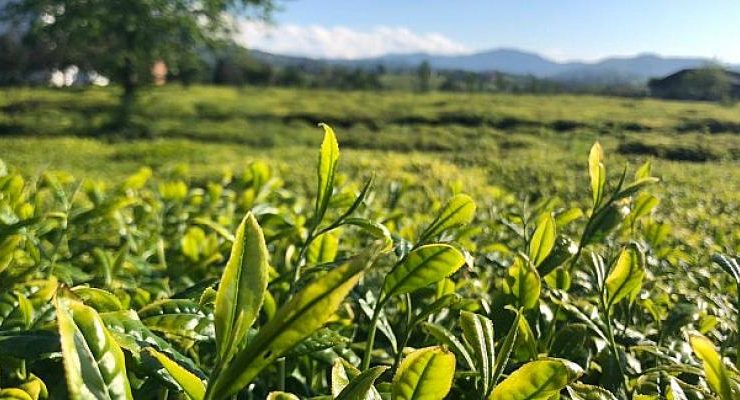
[{"x": 127, "y": 102}]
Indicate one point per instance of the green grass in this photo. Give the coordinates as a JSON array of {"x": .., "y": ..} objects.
[
  {"x": 530, "y": 145},
  {"x": 596, "y": 279}
]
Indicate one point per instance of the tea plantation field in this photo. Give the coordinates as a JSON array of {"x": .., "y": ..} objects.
[{"x": 429, "y": 246}]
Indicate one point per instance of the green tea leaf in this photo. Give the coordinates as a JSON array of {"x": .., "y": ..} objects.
[
  {"x": 180, "y": 318},
  {"x": 543, "y": 240},
  {"x": 93, "y": 363},
  {"x": 296, "y": 320},
  {"x": 341, "y": 374},
  {"x": 424, "y": 374},
  {"x": 563, "y": 249},
  {"x": 422, "y": 267},
  {"x": 445, "y": 337},
  {"x": 376, "y": 229},
  {"x": 714, "y": 369},
  {"x": 328, "y": 158},
  {"x": 625, "y": 278},
  {"x": 458, "y": 211},
  {"x": 524, "y": 283},
  {"x": 675, "y": 392},
  {"x": 579, "y": 391},
  {"x": 597, "y": 172},
  {"x": 132, "y": 335},
  {"x": 729, "y": 265},
  {"x": 362, "y": 385},
  {"x": 478, "y": 332},
  {"x": 506, "y": 349},
  {"x": 282, "y": 396},
  {"x": 323, "y": 249},
  {"x": 14, "y": 394},
  {"x": 603, "y": 223},
  {"x": 242, "y": 288},
  {"x": 190, "y": 384},
  {"x": 99, "y": 299},
  {"x": 537, "y": 380},
  {"x": 28, "y": 345}
]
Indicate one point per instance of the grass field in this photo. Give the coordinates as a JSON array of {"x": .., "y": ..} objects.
[
  {"x": 476, "y": 141},
  {"x": 500, "y": 251}
]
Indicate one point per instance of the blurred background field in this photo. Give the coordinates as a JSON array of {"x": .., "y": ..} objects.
[{"x": 529, "y": 145}]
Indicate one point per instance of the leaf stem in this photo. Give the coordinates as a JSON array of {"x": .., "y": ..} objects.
[
  {"x": 613, "y": 344},
  {"x": 370, "y": 343},
  {"x": 410, "y": 324}
]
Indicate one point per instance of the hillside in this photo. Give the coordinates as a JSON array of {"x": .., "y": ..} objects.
[{"x": 615, "y": 70}]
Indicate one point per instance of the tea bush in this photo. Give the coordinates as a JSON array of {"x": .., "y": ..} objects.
[{"x": 245, "y": 287}]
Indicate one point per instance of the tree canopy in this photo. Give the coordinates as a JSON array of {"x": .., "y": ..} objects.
[{"x": 122, "y": 39}]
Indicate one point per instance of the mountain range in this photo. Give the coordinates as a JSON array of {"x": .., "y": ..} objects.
[{"x": 615, "y": 70}]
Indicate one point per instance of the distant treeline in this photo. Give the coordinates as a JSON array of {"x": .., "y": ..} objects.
[{"x": 24, "y": 64}]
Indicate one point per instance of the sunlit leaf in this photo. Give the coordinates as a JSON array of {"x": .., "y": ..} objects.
[
  {"x": 424, "y": 374},
  {"x": 422, "y": 267},
  {"x": 597, "y": 172},
  {"x": 478, "y": 332},
  {"x": 189, "y": 383},
  {"x": 361, "y": 386},
  {"x": 542, "y": 240},
  {"x": 625, "y": 278},
  {"x": 537, "y": 380},
  {"x": 242, "y": 288},
  {"x": 458, "y": 211},
  {"x": 328, "y": 157},
  {"x": 297, "y": 319},
  {"x": 714, "y": 369},
  {"x": 93, "y": 363}
]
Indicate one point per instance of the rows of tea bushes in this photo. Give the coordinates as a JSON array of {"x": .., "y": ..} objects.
[{"x": 242, "y": 288}]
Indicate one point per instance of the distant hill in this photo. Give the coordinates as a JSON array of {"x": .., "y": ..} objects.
[{"x": 617, "y": 70}]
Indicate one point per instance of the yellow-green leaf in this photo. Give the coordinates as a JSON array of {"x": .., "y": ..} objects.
[
  {"x": 35, "y": 387},
  {"x": 537, "y": 380},
  {"x": 478, "y": 332},
  {"x": 714, "y": 369},
  {"x": 543, "y": 240},
  {"x": 422, "y": 267},
  {"x": 14, "y": 394},
  {"x": 282, "y": 396},
  {"x": 297, "y": 319},
  {"x": 242, "y": 288},
  {"x": 425, "y": 374},
  {"x": 458, "y": 211},
  {"x": 99, "y": 299},
  {"x": 524, "y": 283},
  {"x": 323, "y": 249},
  {"x": 597, "y": 172},
  {"x": 579, "y": 391},
  {"x": 190, "y": 384},
  {"x": 328, "y": 158},
  {"x": 361, "y": 386},
  {"x": 93, "y": 363},
  {"x": 341, "y": 374},
  {"x": 625, "y": 278}
]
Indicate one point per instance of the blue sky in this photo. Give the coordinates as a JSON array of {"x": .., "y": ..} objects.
[{"x": 559, "y": 29}]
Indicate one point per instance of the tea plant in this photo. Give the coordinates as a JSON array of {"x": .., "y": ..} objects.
[{"x": 244, "y": 288}]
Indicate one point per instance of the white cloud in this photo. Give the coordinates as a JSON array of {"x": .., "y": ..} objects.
[{"x": 342, "y": 42}]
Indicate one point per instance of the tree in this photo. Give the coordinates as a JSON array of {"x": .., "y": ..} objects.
[
  {"x": 424, "y": 72},
  {"x": 710, "y": 83},
  {"x": 121, "y": 39}
]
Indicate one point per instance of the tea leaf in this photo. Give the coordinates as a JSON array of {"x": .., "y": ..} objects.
[
  {"x": 242, "y": 288},
  {"x": 424, "y": 374},
  {"x": 422, "y": 267},
  {"x": 93, "y": 363}
]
